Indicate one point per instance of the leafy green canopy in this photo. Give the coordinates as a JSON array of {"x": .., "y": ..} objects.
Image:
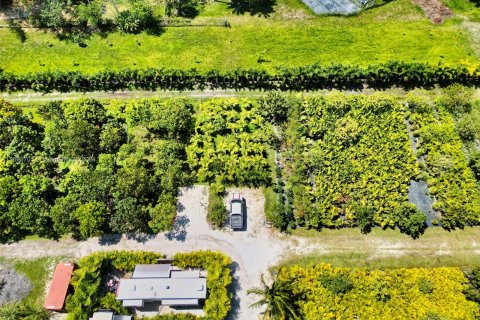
[
  {"x": 229, "y": 144},
  {"x": 88, "y": 171},
  {"x": 353, "y": 161}
]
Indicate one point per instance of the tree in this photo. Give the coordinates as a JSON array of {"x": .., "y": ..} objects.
[
  {"x": 89, "y": 110},
  {"x": 275, "y": 107},
  {"x": 90, "y": 13},
  {"x": 171, "y": 118},
  {"x": 216, "y": 212},
  {"x": 277, "y": 298},
  {"x": 365, "y": 218},
  {"x": 81, "y": 140},
  {"x": 137, "y": 19},
  {"x": 128, "y": 217},
  {"x": 410, "y": 220},
  {"x": 62, "y": 214},
  {"x": 183, "y": 8},
  {"x": 163, "y": 214},
  {"x": 91, "y": 217},
  {"x": 112, "y": 137}
]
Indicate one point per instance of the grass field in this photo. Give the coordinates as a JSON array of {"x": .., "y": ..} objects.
[
  {"x": 391, "y": 249},
  {"x": 290, "y": 36}
]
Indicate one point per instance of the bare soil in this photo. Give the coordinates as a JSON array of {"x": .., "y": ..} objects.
[{"x": 435, "y": 10}]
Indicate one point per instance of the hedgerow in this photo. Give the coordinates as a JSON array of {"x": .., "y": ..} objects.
[
  {"x": 325, "y": 292},
  {"x": 312, "y": 77},
  {"x": 448, "y": 175},
  {"x": 90, "y": 294},
  {"x": 352, "y": 161}
]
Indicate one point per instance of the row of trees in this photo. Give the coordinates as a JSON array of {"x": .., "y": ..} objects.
[
  {"x": 87, "y": 171},
  {"x": 312, "y": 77}
]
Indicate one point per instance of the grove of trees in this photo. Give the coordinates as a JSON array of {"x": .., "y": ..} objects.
[{"x": 88, "y": 171}]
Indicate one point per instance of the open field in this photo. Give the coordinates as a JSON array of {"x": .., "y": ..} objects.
[{"x": 290, "y": 36}]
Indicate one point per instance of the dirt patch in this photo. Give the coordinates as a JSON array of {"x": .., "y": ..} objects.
[
  {"x": 13, "y": 286},
  {"x": 435, "y": 10}
]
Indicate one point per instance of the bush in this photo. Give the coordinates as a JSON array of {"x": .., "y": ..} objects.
[
  {"x": 337, "y": 284},
  {"x": 466, "y": 128},
  {"x": 425, "y": 286},
  {"x": 183, "y": 8},
  {"x": 217, "y": 212},
  {"x": 136, "y": 19},
  {"x": 410, "y": 220},
  {"x": 456, "y": 99},
  {"x": 475, "y": 163},
  {"x": 275, "y": 107}
]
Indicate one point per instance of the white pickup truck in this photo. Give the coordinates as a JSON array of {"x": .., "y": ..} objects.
[{"x": 237, "y": 211}]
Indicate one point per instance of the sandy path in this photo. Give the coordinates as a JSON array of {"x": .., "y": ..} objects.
[{"x": 255, "y": 249}]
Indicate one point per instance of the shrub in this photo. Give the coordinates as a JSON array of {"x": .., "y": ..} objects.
[
  {"x": 337, "y": 284},
  {"x": 183, "y": 8},
  {"x": 217, "y": 212},
  {"x": 275, "y": 107},
  {"x": 466, "y": 128},
  {"x": 425, "y": 286},
  {"x": 475, "y": 163},
  {"x": 138, "y": 18},
  {"x": 456, "y": 99},
  {"x": 410, "y": 220}
]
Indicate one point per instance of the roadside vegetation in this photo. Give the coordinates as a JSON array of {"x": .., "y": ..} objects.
[{"x": 325, "y": 292}]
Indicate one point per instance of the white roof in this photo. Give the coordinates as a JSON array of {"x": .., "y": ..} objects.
[
  {"x": 162, "y": 288},
  {"x": 151, "y": 271},
  {"x": 236, "y": 207}
]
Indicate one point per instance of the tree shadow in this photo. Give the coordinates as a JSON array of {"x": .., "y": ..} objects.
[
  {"x": 141, "y": 237},
  {"x": 16, "y": 29},
  {"x": 261, "y": 8},
  {"x": 109, "y": 239},
  {"x": 179, "y": 231},
  {"x": 233, "y": 289}
]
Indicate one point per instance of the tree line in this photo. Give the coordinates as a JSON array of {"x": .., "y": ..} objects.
[{"x": 311, "y": 77}]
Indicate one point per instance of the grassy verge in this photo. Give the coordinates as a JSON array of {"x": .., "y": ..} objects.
[
  {"x": 390, "y": 249},
  {"x": 290, "y": 36}
]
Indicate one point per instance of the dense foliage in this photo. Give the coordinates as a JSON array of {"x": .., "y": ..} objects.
[
  {"x": 324, "y": 292},
  {"x": 448, "y": 175},
  {"x": 87, "y": 171},
  {"x": 407, "y": 75},
  {"x": 352, "y": 162},
  {"x": 229, "y": 144}
]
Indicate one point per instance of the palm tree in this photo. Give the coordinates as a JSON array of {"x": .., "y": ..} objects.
[
  {"x": 280, "y": 305},
  {"x": 33, "y": 312}
]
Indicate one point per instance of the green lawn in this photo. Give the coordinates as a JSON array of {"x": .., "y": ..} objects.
[{"x": 290, "y": 36}]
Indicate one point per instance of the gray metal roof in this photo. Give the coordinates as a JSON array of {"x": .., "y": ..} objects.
[
  {"x": 162, "y": 288},
  {"x": 102, "y": 316},
  {"x": 143, "y": 271}
]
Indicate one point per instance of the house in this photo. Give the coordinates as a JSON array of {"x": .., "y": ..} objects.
[
  {"x": 162, "y": 283},
  {"x": 108, "y": 315},
  {"x": 59, "y": 287}
]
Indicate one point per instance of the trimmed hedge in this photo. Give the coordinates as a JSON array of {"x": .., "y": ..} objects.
[{"x": 312, "y": 77}]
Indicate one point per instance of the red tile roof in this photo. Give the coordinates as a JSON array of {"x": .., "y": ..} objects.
[{"x": 59, "y": 287}]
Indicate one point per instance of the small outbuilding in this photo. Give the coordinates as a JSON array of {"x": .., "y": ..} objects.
[{"x": 59, "y": 287}]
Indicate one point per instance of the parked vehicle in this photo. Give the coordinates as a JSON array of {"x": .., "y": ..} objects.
[{"x": 237, "y": 211}]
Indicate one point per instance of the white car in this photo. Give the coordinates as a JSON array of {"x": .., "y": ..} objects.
[{"x": 237, "y": 212}]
